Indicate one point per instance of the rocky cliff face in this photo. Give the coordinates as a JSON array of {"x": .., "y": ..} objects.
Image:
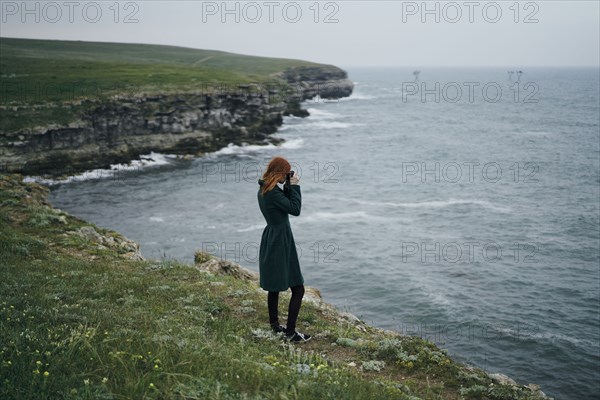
[
  {"x": 328, "y": 82},
  {"x": 122, "y": 129}
]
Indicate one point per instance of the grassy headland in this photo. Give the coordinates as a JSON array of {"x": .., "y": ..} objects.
[
  {"x": 82, "y": 317},
  {"x": 52, "y": 81}
]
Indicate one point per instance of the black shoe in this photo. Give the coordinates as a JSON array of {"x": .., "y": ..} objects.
[
  {"x": 278, "y": 328},
  {"x": 298, "y": 337}
]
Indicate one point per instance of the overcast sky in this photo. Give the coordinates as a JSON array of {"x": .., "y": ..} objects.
[{"x": 343, "y": 33}]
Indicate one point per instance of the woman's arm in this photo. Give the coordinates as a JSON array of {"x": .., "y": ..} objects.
[{"x": 290, "y": 205}]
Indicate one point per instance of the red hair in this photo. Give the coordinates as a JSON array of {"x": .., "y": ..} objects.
[{"x": 277, "y": 169}]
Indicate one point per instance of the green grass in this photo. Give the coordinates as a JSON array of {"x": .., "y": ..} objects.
[
  {"x": 57, "y": 75},
  {"x": 81, "y": 322}
]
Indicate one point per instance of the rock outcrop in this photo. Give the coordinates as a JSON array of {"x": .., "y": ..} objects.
[
  {"x": 121, "y": 129},
  {"x": 125, "y": 247},
  {"x": 205, "y": 261},
  {"x": 328, "y": 82}
]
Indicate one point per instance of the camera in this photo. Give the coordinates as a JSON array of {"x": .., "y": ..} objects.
[{"x": 286, "y": 185}]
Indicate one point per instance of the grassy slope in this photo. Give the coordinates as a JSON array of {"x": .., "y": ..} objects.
[
  {"x": 81, "y": 322},
  {"x": 54, "y": 73}
]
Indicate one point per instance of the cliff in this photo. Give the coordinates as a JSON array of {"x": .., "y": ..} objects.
[
  {"x": 203, "y": 101},
  {"x": 83, "y": 315},
  {"x": 121, "y": 129}
]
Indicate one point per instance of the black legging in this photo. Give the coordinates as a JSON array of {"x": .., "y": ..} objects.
[{"x": 294, "y": 307}]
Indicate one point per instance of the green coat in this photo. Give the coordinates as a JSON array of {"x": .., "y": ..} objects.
[{"x": 278, "y": 260}]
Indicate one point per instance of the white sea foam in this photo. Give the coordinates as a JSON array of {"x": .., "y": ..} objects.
[
  {"x": 331, "y": 216},
  {"x": 436, "y": 297},
  {"x": 435, "y": 204},
  {"x": 431, "y": 295},
  {"x": 319, "y": 216},
  {"x": 145, "y": 161},
  {"x": 245, "y": 148},
  {"x": 579, "y": 342},
  {"x": 533, "y": 332},
  {"x": 320, "y": 114},
  {"x": 358, "y": 96},
  {"x": 329, "y": 125},
  {"x": 354, "y": 96},
  {"x": 320, "y": 119},
  {"x": 157, "y": 219},
  {"x": 251, "y": 228},
  {"x": 289, "y": 118},
  {"x": 293, "y": 143}
]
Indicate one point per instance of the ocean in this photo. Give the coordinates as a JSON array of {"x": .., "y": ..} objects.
[{"x": 457, "y": 204}]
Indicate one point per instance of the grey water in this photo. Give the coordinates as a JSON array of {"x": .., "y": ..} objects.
[{"x": 461, "y": 205}]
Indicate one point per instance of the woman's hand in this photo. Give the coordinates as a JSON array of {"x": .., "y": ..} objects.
[{"x": 294, "y": 180}]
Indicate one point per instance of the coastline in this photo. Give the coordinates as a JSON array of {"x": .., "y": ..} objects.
[
  {"x": 406, "y": 366},
  {"x": 170, "y": 107},
  {"x": 118, "y": 132},
  {"x": 129, "y": 131}
]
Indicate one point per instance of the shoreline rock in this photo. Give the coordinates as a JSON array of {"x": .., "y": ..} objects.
[{"x": 125, "y": 247}]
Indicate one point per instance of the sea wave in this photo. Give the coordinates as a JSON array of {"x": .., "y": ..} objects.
[
  {"x": 352, "y": 97},
  {"x": 251, "y": 228},
  {"x": 544, "y": 336},
  {"x": 339, "y": 217},
  {"x": 328, "y": 125},
  {"x": 436, "y": 204},
  {"x": 293, "y": 143},
  {"x": 320, "y": 114},
  {"x": 145, "y": 161},
  {"x": 358, "y": 96}
]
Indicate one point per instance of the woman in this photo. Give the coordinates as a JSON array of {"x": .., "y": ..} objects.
[{"x": 278, "y": 260}]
